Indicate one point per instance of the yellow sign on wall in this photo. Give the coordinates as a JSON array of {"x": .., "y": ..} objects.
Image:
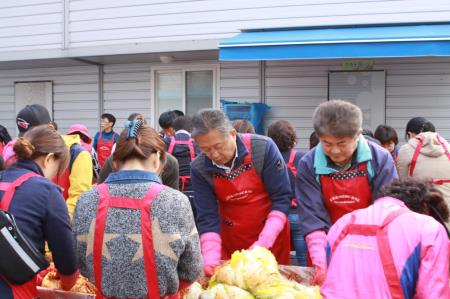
[{"x": 357, "y": 65}]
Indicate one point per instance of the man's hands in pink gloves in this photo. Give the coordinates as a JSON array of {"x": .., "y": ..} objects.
[
  {"x": 211, "y": 245},
  {"x": 317, "y": 243},
  {"x": 275, "y": 223}
]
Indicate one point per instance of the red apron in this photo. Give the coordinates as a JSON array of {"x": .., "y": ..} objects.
[
  {"x": 243, "y": 207},
  {"x": 384, "y": 248},
  {"x": 416, "y": 155},
  {"x": 27, "y": 290},
  {"x": 105, "y": 202},
  {"x": 63, "y": 181},
  {"x": 291, "y": 166},
  {"x": 190, "y": 143},
  {"x": 104, "y": 148},
  {"x": 395, "y": 157},
  {"x": 346, "y": 191}
]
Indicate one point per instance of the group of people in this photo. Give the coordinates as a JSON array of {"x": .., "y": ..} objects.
[{"x": 167, "y": 206}]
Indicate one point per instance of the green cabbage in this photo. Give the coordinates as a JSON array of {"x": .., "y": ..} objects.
[{"x": 256, "y": 271}]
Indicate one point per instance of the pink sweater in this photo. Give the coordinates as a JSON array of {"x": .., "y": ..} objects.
[{"x": 420, "y": 249}]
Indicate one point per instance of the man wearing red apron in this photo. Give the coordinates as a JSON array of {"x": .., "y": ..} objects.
[
  {"x": 105, "y": 140},
  {"x": 241, "y": 191},
  {"x": 341, "y": 174}
]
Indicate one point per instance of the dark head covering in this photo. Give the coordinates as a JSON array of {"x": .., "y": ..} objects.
[
  {"x": 419, "y": 125},
  {"x": 32, "y": 116}
]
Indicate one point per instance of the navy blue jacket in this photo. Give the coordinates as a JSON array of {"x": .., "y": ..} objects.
[
  {"x": 272, "y": 171},
  {"x": 286, "y": 155},
  {"x": 41, "y": 214},
  {"x": 182, "y": 154}
]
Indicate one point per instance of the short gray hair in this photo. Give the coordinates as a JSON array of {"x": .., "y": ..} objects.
[
  {"x": 207, "y": 120},
  {"x": 337, "y": 118}
]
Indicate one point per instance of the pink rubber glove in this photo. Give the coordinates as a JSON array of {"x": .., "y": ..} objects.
[
  {"x": 211, "y": 244},
  {"x": 275, "y": 223},
  {"x": 68, "y": 281},
  {"x": 317, "y": 242}
]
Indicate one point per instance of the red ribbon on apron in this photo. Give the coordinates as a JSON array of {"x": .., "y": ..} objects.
[
  {"x": 244, "y": 204},
  {"x": 384, "y": 248},
  {"x": 183, "y": 178},
  {"x": 291, "y": 166},
  {"x": 27, "y": 290},
  {"x": 346, "y": 191},
  {"x": 104, "y": 148},
  {"x": 107, "y": 201},
  {"x": 416, "y": 156}
]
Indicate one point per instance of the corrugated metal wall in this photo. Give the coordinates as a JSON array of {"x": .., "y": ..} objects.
[
  {"x": 31, "y": 25},
  {"x": 105, "y": 22},
  {"x": 418, "y": 89},
  {"x": 293, "y": 90},
  {"x": 75, "y": 95},
  {"x": 127, "y": 89},
  {"x": 240, "y": 81}
]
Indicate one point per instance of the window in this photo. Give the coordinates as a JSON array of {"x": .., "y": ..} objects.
[
  {"x": 28, "y": 93},
  {"x": 188, "y": 90},
  {"x": 365, "y": 89}
]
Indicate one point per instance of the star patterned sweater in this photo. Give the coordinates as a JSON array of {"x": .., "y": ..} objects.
[{"x": 175, "y": 238}]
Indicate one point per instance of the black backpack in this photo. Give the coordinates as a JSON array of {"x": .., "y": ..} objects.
[{"x": 20, "y": 261}]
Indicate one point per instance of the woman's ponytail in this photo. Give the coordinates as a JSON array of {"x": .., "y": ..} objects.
[{"x": 23, "y": 148}]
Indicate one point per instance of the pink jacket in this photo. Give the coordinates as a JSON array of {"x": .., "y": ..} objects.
[{"x": 420, "y": 249}]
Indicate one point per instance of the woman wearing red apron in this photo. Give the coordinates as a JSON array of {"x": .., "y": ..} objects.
[
  {"x": 135, "y": 237},
  {"x": 105, "y": 140},
  {"x": 241, "y": 190},
  {"x": 37, "y": 205},
  {"x": 338, "y": 176}
]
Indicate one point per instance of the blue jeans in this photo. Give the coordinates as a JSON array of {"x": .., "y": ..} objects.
[{"x": 297, "y": 239}]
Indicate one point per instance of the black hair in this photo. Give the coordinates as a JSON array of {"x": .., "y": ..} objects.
[
  {"x": 109, "y": 117},
  {"x": 385, "y": 134},
  {"x": 182, "y": 123},
  {"x": 4, "y": 135},
  {"x": 283, "y": 134},
  {"x": 419, "y": 125},
  {"x": 313, "y": 140},
  {"x": 419, "y": 195},
  {"x": 367, "y": 132},
  {"x": 178, "y": 112},
  {"x": 166, "y": 119}
]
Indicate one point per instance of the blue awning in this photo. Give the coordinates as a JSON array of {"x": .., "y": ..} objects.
[{"x": 424, "y": 40}]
